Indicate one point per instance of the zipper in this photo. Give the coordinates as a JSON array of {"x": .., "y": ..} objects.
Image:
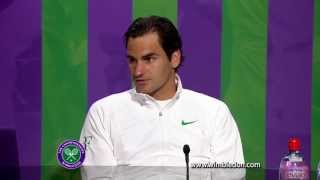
[{"x": 161, "y": 122}]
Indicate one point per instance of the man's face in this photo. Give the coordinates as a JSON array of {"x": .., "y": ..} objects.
[{"x": 150, "y": 68}]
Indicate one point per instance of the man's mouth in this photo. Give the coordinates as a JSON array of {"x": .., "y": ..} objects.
[{"x": 141, "y": 81}]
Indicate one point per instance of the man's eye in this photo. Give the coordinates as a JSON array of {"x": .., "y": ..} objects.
[
  {"x": 131, "y": 60},
  {"x": 149, "y": 59}
]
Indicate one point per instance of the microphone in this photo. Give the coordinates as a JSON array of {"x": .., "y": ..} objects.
[{"x": 186, "y": 150}]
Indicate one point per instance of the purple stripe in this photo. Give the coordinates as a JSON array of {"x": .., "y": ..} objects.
[
  {"x": 289, "y": 77},
  {"x": 20, "y": 78},
  {"x": 200, "y": 27},
  {"x": 108, "y": 70}
]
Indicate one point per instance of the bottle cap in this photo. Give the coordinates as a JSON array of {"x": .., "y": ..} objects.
[{"x": 294, "y": 144}]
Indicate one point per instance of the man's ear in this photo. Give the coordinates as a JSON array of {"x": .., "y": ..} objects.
[{"x": 175, "y": 59}]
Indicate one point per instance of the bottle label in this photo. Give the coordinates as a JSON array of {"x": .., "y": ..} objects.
[{"x": 296, "y": 174}]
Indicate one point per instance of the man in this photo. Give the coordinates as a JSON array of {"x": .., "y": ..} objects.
[{"x": 149, "y": 124}]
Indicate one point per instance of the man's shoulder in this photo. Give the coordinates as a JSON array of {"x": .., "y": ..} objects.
[
  {"x": 202, "y": 98},
  {"x": 113, "y": 99}
]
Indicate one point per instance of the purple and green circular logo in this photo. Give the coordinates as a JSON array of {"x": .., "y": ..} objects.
[{"x": 70, "y": 154}]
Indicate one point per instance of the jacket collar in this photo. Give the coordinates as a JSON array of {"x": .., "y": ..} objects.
[{"x": 146, "y": 99}]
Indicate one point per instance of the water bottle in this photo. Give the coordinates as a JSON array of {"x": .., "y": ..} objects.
[
  {"x": 318, "y": 171},
  {"x": 292, "y": 166}
]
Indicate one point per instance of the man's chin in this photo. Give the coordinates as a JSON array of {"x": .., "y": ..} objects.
[{"x": 144, "y": 91}]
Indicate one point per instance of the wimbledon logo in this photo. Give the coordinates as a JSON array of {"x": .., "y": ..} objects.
[{"x": 70, "y": 154}]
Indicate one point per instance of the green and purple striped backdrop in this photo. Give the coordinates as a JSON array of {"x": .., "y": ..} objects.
[{"x": 262, "y": 57}]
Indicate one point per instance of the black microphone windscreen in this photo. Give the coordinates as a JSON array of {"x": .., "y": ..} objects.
[{"x": 186, "y": 149}]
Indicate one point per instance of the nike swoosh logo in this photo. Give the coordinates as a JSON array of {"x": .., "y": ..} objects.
[{"x": 183, "y": 123}]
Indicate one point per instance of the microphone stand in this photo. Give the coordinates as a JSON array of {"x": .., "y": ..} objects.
[{"x": 186, "y": 150}]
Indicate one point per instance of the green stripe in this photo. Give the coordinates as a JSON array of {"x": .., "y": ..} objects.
[
  {"x": 243, "y": 73},
  {"x": 64, "y": 79},
  {"x": 315, "y": 156},
  {"x": 166, "y": 8}
]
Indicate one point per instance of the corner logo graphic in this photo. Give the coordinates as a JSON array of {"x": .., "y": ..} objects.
[
  {"x": 70, "y": 154},
  {"x": 183, "y": 123}
]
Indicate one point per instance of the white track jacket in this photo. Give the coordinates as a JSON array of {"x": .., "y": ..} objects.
[{"x": 130, "y": 128}]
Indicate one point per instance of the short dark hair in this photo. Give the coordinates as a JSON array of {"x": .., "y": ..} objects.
[{"x": 168, "y": 34}]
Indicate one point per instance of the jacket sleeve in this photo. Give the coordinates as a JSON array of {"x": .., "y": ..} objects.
[
  {"x": 226, "y": 141},
  {"x": 96, "y": 138}
]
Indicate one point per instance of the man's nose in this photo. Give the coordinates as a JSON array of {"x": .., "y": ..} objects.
[{"x": 139, "y": 69}]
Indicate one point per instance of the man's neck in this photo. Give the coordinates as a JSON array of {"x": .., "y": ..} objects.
[{"x": 168, "y": 90}]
